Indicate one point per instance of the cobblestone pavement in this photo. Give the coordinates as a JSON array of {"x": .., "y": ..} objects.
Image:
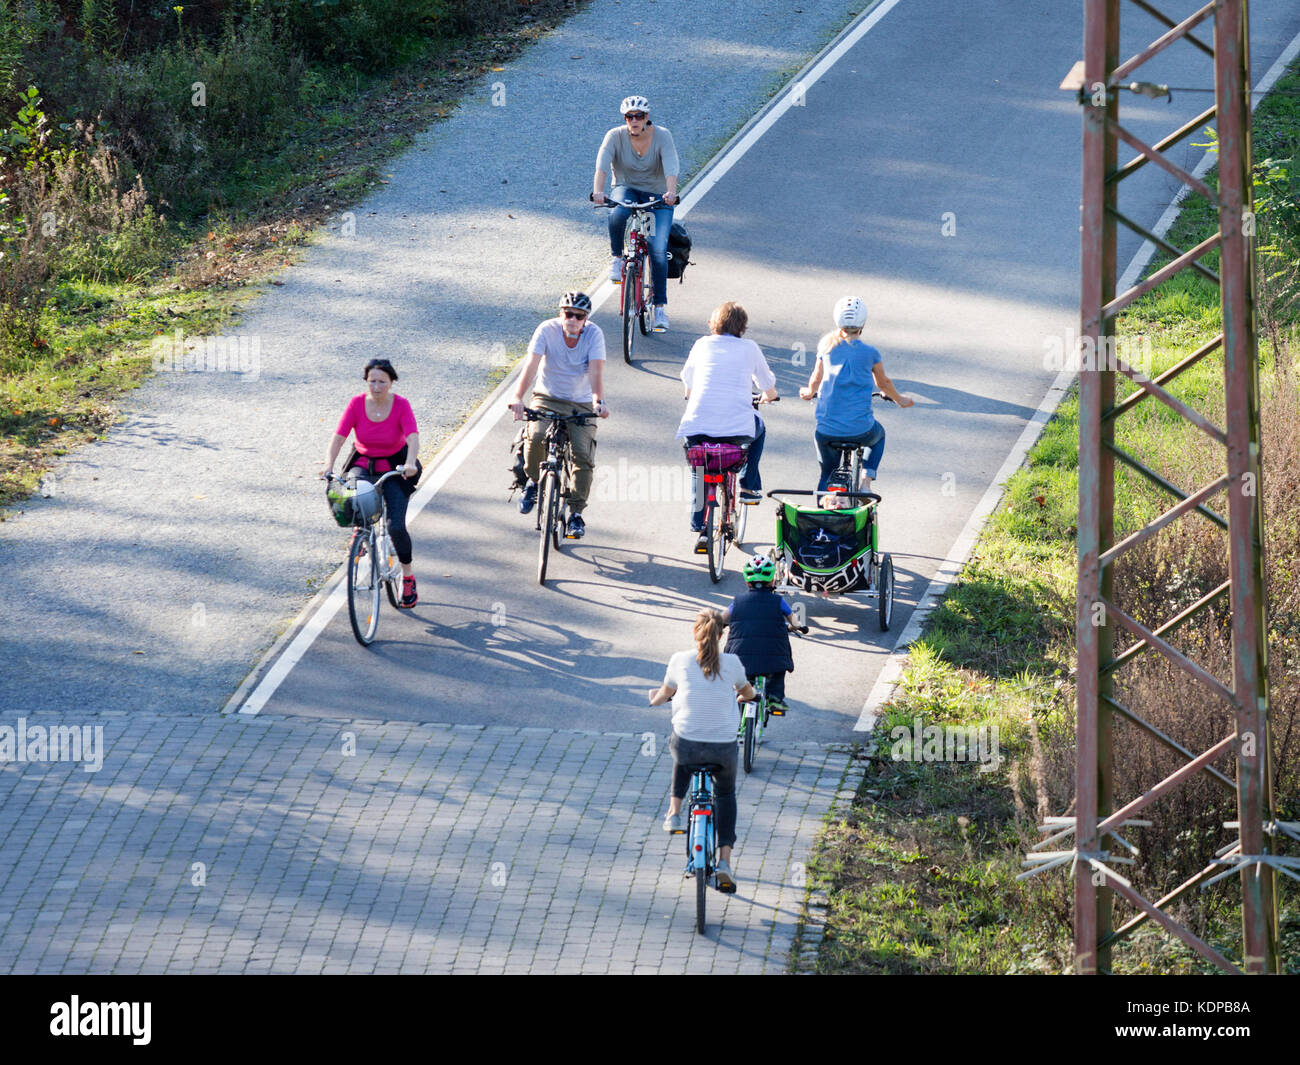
[{"x": 235, "y": 845}]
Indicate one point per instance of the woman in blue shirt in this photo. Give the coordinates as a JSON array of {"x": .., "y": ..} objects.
[{"x": 846, "y": 372}]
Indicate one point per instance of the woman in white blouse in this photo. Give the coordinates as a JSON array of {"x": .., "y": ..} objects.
[
  {"x": 719, "y": 375},
  {"x": 702, "y": 685}
]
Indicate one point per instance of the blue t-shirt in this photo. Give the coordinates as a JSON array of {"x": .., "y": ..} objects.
[{"x": 844, "y": 404}]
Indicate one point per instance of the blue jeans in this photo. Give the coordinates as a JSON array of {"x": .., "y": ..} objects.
[
  {"x": 873, "y": 439},
  {"x": 618, "y": 217},
  {"x": 749, "y": 480}
]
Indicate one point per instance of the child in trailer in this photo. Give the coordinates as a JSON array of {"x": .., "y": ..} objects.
[{"x": 761, "y": 622}]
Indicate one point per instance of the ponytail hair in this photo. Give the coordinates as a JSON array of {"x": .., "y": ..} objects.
[
  {"x": 835, "y": 338},
  {"x": 708, "y": 632}
]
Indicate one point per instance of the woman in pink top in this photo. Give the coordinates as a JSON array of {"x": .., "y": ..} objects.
[{"x": 384, "y": 433}]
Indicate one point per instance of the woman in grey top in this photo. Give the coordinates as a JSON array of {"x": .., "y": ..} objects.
[{"x": 643, "y": 161}]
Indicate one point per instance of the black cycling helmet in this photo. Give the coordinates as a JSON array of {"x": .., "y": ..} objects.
[{"x": 578, "y": 301}]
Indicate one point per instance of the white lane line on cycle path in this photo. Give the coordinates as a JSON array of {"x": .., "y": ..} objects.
[
  {"x": 882, "y": 691},
  {"x": 261, "y": 683}
]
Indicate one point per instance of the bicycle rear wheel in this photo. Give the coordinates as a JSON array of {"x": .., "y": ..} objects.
[
  {"x": 363, "y": 588},
  {"x": 631, "y": 283},
  {"x": 717, "y": 542},
  {"x": 548, "y": 497},
  {"x": 646, "y": 316}
]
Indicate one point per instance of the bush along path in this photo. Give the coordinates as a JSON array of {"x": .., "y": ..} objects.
[{"x": 155, "y": 167}]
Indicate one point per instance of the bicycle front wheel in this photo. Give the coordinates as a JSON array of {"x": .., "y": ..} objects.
[
  {"x": 631, "y": 282},
  {"x": 548, "y": 498},
  {"x": 363, "y": 588}
]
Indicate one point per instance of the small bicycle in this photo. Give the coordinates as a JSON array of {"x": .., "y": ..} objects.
[
  {"x": 755, "y": 716},
  {"x": 702, "y": 837},
  {"x": 637, "y": 302},
  {"x": 372, "y": 561},
  {"x": 555, "y": 482}
]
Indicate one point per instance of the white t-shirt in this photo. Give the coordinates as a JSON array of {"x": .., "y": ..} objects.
[
  {"x": 705, "y": 710},
  {"x": 564, "y": 371},
  {"x": 718, "y": 373}
]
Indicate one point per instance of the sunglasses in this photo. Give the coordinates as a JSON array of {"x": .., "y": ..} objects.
[
  {"x": 579, "y": 315},
  {"x": 636, "y": 116}
]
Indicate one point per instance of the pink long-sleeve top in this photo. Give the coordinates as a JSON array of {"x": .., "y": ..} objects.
[{"x": 378, "y": 438}]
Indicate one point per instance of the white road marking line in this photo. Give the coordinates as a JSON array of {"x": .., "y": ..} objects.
[
  {"x": 489, "y": 412},
  {"x": 882, "y": 691}
]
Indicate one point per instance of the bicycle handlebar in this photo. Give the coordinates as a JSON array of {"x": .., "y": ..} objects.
[
  {"x": 536, "y": 415},
  {"x": 397, "y": 471},
  {"x": 649, "y": 205}
]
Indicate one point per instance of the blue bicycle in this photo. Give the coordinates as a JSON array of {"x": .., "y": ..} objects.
[{"x": 702, "y": 836}]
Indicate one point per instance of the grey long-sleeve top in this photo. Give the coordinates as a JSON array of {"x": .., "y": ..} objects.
[{"x": 647, "y": 172}]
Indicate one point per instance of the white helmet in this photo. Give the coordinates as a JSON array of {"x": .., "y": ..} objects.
[
  {"x": 634, "y": 103},
  {"x": 850, "y": 313}
]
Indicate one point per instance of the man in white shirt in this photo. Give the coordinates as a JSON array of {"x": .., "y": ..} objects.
[
  {"x": 569, "y": 351},
  {"x": 718, "y": 376}
]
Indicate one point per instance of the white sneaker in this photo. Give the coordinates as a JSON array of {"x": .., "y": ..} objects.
[
  {"x": 661, "y": 320},
  {"x": 616, "y": 271}
]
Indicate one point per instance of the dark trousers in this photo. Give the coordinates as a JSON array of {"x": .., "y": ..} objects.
[
  {"x": 396, "y": 498},
  {"x": 692, "y": 752}
]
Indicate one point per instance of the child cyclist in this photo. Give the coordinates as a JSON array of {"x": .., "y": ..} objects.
[{"x": 761, "y": 622}]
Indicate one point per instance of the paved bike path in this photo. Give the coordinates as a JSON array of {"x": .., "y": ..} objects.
[{"x": 256, "y": 845}]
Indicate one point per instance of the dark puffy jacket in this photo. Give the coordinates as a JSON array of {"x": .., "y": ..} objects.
[{"x": 758, "y": 634}]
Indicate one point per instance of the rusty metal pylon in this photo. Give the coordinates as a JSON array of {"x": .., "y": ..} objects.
[{"x": 1100, "y": 79}]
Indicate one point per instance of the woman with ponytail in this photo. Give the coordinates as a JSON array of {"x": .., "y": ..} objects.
[
  {"x": 847, "y": 371},
  {"x": 702, "y": 684}
]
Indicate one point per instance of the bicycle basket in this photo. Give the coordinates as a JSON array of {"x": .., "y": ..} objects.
[
  {"x": 339, "y": 497},
  {"x": 716, "y": 458}
]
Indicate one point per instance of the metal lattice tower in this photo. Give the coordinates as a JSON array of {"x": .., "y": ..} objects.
[{"x": 1101, "y": 79}]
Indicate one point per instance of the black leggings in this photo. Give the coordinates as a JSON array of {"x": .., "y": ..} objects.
[{"x": 396, "y": 498}]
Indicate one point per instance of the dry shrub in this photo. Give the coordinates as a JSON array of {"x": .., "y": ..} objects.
[
  {"x": 1153, "y": 583},
  {"x": 67, "y": 212}
]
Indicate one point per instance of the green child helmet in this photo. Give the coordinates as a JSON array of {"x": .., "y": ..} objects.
[{"x": 760, "y": 570}]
